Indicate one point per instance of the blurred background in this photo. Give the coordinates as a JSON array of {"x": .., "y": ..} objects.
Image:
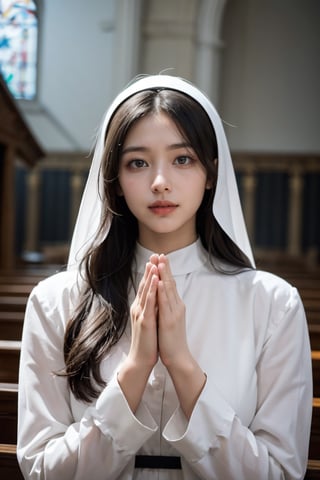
[{"x": 62, "y": 62}]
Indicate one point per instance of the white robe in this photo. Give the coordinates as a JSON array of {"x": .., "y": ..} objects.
[{"x": 248, "y": 333}]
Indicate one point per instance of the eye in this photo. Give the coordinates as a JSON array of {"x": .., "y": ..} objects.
[
  {"x": 183, "y": 160},
  {"x": 137, "y": 163}
]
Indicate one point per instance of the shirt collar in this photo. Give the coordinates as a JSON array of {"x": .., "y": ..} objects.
[{"x": 182, "y": 262}]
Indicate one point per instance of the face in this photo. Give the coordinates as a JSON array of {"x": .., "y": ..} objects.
[{"x": 163, "y": 183}]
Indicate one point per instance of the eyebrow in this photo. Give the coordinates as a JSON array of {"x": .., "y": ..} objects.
[{"x": 137, "y": 148}]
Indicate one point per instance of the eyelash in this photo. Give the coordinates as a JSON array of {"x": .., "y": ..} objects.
[
  {"x": 185, "y": 157},
  {"x": 139, "y": 163},
  {"x": 133, "y": 163}
]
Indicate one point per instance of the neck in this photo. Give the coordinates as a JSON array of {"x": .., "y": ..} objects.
[{"x": 164, "y": 243}]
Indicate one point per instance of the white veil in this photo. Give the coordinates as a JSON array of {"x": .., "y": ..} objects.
[{"x": 226, "y": 205}]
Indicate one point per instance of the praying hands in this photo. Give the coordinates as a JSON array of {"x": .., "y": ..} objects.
[{"x": 159, "y": 330}]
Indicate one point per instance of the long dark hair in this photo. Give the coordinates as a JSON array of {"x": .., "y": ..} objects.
[{"x": 103, "y": 311}]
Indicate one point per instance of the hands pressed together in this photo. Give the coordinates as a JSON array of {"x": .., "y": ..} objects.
[{"x": 158, "y": 329}]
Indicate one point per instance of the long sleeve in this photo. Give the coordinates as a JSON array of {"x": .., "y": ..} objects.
[
  {"x": 274, "y": 446},
  {"x": 247, "y": 331},
  {"x": 51, "y": 443}
]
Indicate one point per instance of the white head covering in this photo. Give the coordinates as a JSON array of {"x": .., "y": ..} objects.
[{"x": 226, "y": 205}]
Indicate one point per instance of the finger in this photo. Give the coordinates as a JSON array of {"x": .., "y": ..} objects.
[
  {"x": 150, "y": 300},
  {"x": 144, "y": 305},
  {"x": 145, "y": 282},
  {"x": 163, "y": 299},
  {"x": 154, "y": 259},
  {"x": 164, "y": 265},
  {"x": 166, "y": 277},
  {"x": 152, "y": 277}
]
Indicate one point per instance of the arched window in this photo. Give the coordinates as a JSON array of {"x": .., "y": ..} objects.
[{"x": 18, "y": 47}]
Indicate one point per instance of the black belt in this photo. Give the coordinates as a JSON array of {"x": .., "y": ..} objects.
[{"x": 158, "y": 461}]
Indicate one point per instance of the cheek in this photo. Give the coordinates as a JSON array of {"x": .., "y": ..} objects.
[
  {"x": 124, "y": 184},
  {"x": 202, "y": 186},
  {"x": 201, "y": 183},
  {"x": 129, "y": 189}
]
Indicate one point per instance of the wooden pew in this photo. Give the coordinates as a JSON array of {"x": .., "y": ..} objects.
[
  {"x": 11, "y": 325},
  {"x": 27, "y": 276},
  {"x": 315, "y": 355},
  {"x": 314, "y": 333},
  {"x": 8, "y": 412},
  {"x": 9, "y": 467},
  {"x": 312, "y": 306},
  {"x": 314, "y": 447},
  {"x": 12, "y": 303},
  {"x": 13, "y": 300},
  {"x": 15, "y": 289},
  {"x": 311, "y": 300},
  {"x": 9, "y": 361},
  {"x": 19, "y": 278},
  {"x": 313, "y": 471}
]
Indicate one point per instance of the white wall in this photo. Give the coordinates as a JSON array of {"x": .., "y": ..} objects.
[
  {"x": 76, "y": 72},
  {"x": 271, "y": 75},
  {"x": 269, "y": 83},
  {"x": 168, "y": 37}
]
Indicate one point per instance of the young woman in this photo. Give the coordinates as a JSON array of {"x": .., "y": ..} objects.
[{"x": 161, "y": 353}]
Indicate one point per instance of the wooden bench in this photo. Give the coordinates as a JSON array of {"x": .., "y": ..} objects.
[
  {"x": 312, "y": 309},
  {"x": 9, "y": 360},
  {"x": 9, "y": 467},
  {"x": 13, "y": 300},
  {"x": 11, "y": 325},
  {"x": 314, "y": 447},
  {"x": 26, "y": 276},
  {"x": 20, "y": 278},
  {"x": 15, "y": 289},
  {"x": 8, "y": 412},
  {"x": 313, "y": 471},
  {"x": 315, "y": 356},
  {"x": 314, "y": 333},
  {"x": 11, "y": 303}
]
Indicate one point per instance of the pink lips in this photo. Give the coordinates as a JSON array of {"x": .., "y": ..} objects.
[{"x": 162, "y": 207}]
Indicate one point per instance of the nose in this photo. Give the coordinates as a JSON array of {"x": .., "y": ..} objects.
[{"x": 161, "y": 182}]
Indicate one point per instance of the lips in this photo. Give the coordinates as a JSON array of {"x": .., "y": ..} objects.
[{"x": 162, "y": 207}]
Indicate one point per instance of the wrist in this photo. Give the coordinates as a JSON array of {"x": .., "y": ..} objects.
[
  {"x": 183, "y": 366},
  {"x": 137, "y": 371},
  {"x": 132, "y": 379},
  {"x": 182, "y": 361},
  {"x": 189, "y": 380}
]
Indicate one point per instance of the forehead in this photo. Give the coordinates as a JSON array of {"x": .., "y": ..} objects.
[{"x": 154, "y": 127}]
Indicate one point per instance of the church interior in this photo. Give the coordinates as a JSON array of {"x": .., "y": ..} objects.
[{"x": 258, "y": 61}]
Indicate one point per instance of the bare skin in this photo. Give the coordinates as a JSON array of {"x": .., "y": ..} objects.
[{"x": 158, "y": 330}]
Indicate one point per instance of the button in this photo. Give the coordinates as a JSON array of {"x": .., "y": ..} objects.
[
  {"x": 156, "y": 384},
  {"x": 158, "y": 381}
]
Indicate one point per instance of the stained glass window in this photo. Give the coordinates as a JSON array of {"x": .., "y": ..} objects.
[{"x": 18, "y": 46}]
